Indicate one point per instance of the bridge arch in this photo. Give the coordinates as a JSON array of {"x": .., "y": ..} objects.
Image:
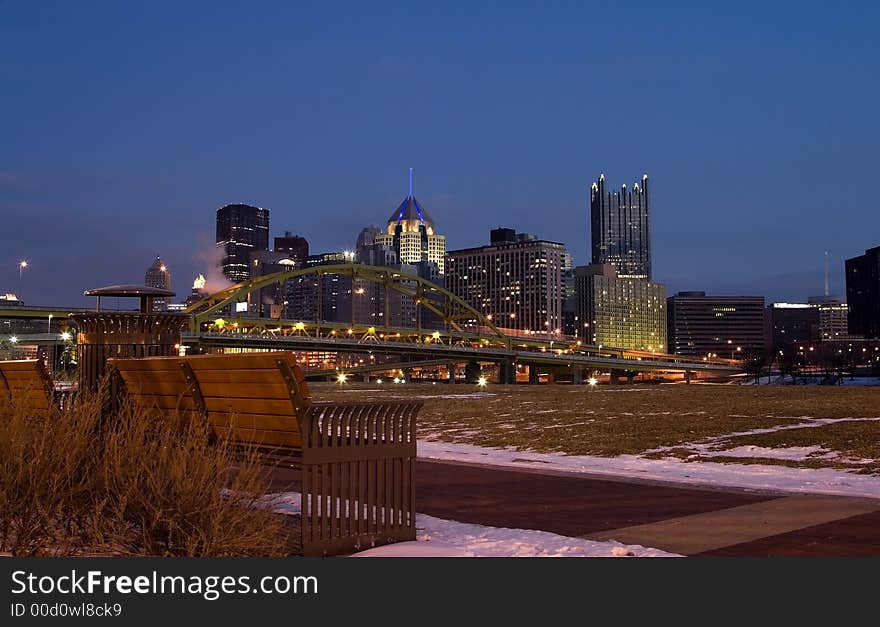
[{"x": 451, "y": 310}]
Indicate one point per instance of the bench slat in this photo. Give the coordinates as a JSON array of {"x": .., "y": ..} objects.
[
  {"x": 275, "y": 389},
  {"x": 28, "y": 365},
  {"x": 26, "y": 384},
  {"x": 184, "y": 403},
  {"x": 281, "y": 407},
  {"x": 238, "y": 375},
  {"x": 255, "y": 421},
  {"x": 262, "y": 437}
]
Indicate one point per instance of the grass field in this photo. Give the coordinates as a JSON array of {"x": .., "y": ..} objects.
[{"x": 813, "y": 426}]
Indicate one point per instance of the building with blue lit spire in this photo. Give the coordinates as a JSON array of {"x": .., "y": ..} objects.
[{"x": 411, "y": 234}]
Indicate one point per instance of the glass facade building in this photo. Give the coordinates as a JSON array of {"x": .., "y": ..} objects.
[
  {"x": 619, "y": 311},
  {"x": 619, "y": 228},
  {"x": 241, "y": 229}
]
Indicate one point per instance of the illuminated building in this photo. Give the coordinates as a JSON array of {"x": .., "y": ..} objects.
[
  {"x": 619, "y": 311},
  {"x": 516, "y": 279},
  {"x": 241, "y": 229},
  {"x": 619, "y": 228},
  {"x": 730, "y": 327},
  {"x": 833, "y": 317},
  {"x": 410, "y": 233},
  {"x": 158, "y": 275},
  {"x": 294, "y": 246}
]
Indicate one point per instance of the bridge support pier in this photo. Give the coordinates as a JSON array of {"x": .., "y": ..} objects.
[
  {"x": 533, "y": 374},
  {"x": 506, "y": 373},
  {"x": 577, "y": 375},
  {"x": 687, "y": 376},
  {"x": 451, "y": 368}
]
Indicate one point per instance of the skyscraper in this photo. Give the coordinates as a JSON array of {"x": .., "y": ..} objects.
[
  {"x": 240, "y": 230},
  {"x": 863, "y": 293},
  {"x": 727, "y": 326},
  {"x": 296, "y": 247},
  {"x": 158, "y": 275},
  {"x": 516, "y": 280},
  {"x": 618, "y": 311},
  {"x": 620, "y": 228},
  {"x": 410, "y": 232}
]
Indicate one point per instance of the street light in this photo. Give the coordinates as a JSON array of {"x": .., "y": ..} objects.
[{"x": 21, "y": 266}]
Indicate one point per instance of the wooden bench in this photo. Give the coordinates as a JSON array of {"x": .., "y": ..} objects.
[
  {"x": 25, "y": 385},
  {"x": 356, "y": 458}
]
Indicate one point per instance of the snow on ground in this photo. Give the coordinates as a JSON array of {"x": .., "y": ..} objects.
[
  {"x": 447, "y": 538},
  {"x": 751, "y": 476},
  {"x": 793, "y": 453}
]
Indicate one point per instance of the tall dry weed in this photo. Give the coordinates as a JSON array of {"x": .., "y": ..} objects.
[{"x": 72, "y": 483}]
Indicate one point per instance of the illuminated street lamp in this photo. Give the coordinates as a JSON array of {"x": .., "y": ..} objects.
[
  {"x": 21, "y": 266},
  {"x": 482, "y": 381},
  {"x": 592, "y": 381},
  {"x": 341, "y": 378}
]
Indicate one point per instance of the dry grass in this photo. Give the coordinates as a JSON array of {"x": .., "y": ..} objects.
[
  {"x": 614, "y": 420},
  {"x": 71, "y": 484}
]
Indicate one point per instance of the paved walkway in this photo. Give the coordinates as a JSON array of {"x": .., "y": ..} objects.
[{"x": 672, "y": 517}]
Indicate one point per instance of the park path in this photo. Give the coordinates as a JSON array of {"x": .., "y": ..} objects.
[{"x": 672, "y": 517}]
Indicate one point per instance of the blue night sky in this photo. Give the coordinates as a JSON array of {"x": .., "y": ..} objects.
[{"x": 123, "y": 126}]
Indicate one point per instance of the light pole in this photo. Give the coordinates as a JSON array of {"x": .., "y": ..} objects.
[{"x": 21, "y": 266}]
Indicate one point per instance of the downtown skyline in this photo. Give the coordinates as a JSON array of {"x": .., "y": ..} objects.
[{"x": 749, "y": 147}]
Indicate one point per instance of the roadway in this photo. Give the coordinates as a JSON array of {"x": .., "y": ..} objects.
[{"x": 664, "y": 363}]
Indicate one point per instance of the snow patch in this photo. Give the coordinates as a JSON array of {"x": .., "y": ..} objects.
[
  {"x": 436, "y": 537},
  {"x": 773, "y": 478}
]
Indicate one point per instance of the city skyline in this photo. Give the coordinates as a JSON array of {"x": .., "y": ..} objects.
[{"x": 746, "y": 190}]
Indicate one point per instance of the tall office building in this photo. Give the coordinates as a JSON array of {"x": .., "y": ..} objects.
[
  {"x": 619, "y": 228},
  {"x": 241, "y": 229},
  {"x": 727, "y": 326},
  {"x": 516, "y": 279},
  {"x": 619, "y": 311},
  {"x": 410, "y": 232},
  {"x": 373, "y": 305},
  {"x": 295, "y": 247},
  {"x": 863, "y": 293},
  {"x": 833, "y": 317},
  {"x": 790, "y": 324},
  {"x": 158, "y": 275}
]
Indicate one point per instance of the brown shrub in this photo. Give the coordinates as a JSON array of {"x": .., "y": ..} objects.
[{"x": 73, "y": 484}]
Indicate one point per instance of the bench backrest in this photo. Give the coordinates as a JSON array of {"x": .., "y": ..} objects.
[
  {"x": 25, "y": 384},
  {"x": 256, "y": 398}
]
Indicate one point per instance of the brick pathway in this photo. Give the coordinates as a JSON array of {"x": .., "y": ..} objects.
[{"x": 676, "y": 518}]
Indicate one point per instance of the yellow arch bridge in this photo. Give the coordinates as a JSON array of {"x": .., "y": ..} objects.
[{"x": 441, "y": 327}]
